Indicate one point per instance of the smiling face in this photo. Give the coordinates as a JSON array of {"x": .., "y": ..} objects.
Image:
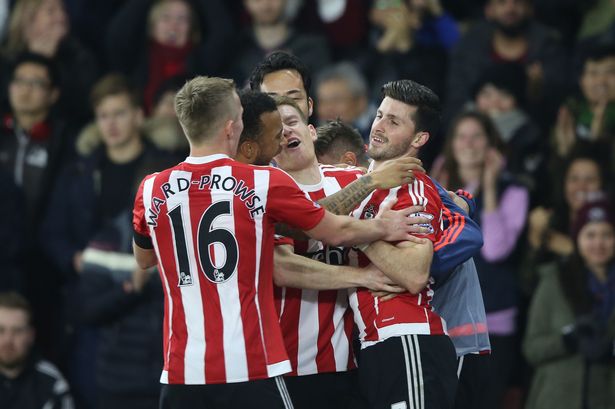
[
  {"x": 393, "y": 131},
  {"x": 469, "y": 143},
  {"x": 298, "y": 153},
  {"x": 582, "y": 180},
  {"x": 596, "y": 243}
]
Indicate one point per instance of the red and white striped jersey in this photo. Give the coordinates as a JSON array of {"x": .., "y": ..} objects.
[
  {"x": 211, "y": 222},
  {"x": 317, "y": 325},
  {"x": 405, "y": 314}
]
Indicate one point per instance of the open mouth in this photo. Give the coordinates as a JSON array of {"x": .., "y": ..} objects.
[
  {"x": 378, "y": 139},
  {"x": 293, "y": 143}
]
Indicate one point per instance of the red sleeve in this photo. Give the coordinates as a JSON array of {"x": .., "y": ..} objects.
[
  {"x": 141, "y": 231},
  {"x": 423, "y": 192},
  {"x": 288, "y": 204}
]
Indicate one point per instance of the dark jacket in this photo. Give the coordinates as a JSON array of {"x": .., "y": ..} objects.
[{"x": 40, "y": 385}]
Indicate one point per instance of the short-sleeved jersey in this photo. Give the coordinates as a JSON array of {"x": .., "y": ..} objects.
[
  {"x": 317, "y": 325},
  {"x": 211, "y": 222},
  {"x": 406, "y": 313}
]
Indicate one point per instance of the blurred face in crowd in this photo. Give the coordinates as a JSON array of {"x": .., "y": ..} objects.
[
  {"x": 510, "y": 16},
  {"x": 49, "y": 17},
  {"x": 393, "y": 130},
  {"x": 16, "y": 337},
  {"x": 582, "y": 181},
  {"x": 598, "y": 81},
  {"x": 118, "y": 120},
  {"x": 290, "y": 84},
  {"x": 270, "y": 140},
  {"x": 165, "y": 108},
  {"x": 170, "y": 23},
  {"x": 265, "y": 12},
  {"x": 596, "y": 243},
  {"x": 298, "y": 149},
  {"x": 470, "y": 143},
  {"x": 493, "y": 101},
  {"x": 336, "y": 100},
  {"x": 30, "y": 90}
]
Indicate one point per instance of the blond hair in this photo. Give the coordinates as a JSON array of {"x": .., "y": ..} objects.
[
  {"x": 284, "y": 100},
  {"x": 203, "y": 105},
  {"x": 22, "y": 14}
]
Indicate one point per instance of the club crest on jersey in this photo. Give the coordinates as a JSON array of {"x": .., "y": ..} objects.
[{"x": 185, "y": 279}]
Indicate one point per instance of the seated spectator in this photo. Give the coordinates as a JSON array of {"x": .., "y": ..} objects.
[
  {"x": 571, "y": 322},
  {"x": 26, "y": 381},
  {"x": 34, "y": 143},
  {"x": 152, "y": 41},
  {"x": 270, "y": 30},
  {"x": 499, "y": 94},
  {"x": 549, "y": 228},
  {"x": 342, "y": 93},
  {"x": 338, "y": 143},
  {"x": 474, "y": 161},
  {"x": 589, "y": 118},
  {"x": 510, "y": 34},
  {"x": 42, "y": 27}
]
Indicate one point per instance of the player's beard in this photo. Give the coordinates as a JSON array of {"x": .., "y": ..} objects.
[{"x": 389, "y": 151}]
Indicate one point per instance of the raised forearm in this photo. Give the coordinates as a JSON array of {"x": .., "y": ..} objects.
[
  {"x": 344, "y": 201},
  {"x": 407, "y": 264}
]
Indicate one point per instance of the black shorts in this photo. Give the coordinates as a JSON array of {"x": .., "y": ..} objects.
[
  {"x": 264, "y": 393},
  {"x": 335, "y": 390},
  {"x": 474, "y": 382},
  {"x": 410, "y": 371}
]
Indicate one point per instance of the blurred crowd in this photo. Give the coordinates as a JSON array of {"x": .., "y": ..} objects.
[{"x": 86, "y": 99}]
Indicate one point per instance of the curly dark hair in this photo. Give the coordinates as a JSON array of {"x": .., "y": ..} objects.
[{"x": 254, "y": 104}]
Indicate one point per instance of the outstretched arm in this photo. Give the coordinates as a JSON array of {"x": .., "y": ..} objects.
[{"x": 293, "y": 270}]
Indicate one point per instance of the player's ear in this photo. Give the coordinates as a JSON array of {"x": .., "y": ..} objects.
[
  {"x": 420, "y": 139},
  {"x": 349, "y": 158},
  {"x": 313, "y": 134},
  {"x": 310, "y": 106}
]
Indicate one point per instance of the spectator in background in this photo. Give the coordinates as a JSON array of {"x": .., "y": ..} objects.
[
  {"x": 549, "y": 228},
  {"x": 93, "y": 193},
  {"x": 26, "y": 382},
  {"x": 590, "y": 118},
  {"x": 338, "y": 143},
  {"x": 500, "y": 94},
  {"x": 281, "y": 73},
  {"x": 270, "y": 30},
  {"x": 571, "y": 322},
  {"x": 153, "y": 41},
  {"x": 510, "y": 34},
  {"x": 42, "y": 27},
  {"x": 11, "y": 235},
  {"x": 474, "y": 161},
  {"x": 342, "y": 93},
  {"x": 34, "y": 144}
]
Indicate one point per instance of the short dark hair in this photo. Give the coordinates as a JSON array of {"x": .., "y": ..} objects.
[
  {"x": 15, "y": 301},
  {"x": 598, "y": 52},
  {"x": 277, "y": 61},
  {"x": 38, "y": 59},
  {"x": 112, "y": 85},
  {"x": 427, "y": 116},
  {"x": 254, "y": 104},
  {"x": 336, "y": 137}
]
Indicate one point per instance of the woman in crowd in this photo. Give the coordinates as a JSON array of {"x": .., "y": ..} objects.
[
  {"x": 474, "y": 161},
  {"x": 569, "y": 338}
]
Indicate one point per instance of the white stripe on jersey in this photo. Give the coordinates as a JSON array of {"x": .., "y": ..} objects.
[
  {"x": 309, "y": 329},
  {"x": 235, "y": 359},
  {"x": 194, "y": 364},
  {"x": 261, "y": 186},
  {"x": 148, "y": 187},
  {"x": 339, "y": 339}
]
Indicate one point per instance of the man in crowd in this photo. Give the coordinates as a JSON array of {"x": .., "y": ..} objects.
[{"x": 26, "y": 382}]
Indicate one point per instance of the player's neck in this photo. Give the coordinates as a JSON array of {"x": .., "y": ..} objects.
[
  {"x": 309, "y": 175},
  {"x": 210, "y": 149}
]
